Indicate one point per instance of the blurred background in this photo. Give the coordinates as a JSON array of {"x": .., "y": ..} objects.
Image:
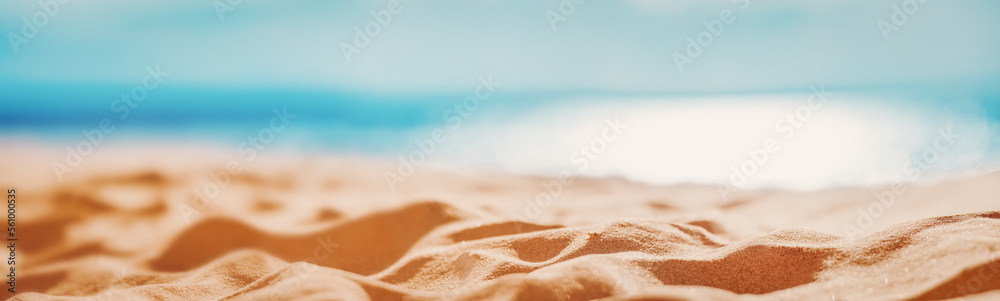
[{"x": 851, "y": 92}]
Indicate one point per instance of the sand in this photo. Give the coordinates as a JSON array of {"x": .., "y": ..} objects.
[{"x": 128, "y": 224}]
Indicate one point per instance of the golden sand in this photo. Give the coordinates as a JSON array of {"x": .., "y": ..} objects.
[{"x": 132, "y": 227}]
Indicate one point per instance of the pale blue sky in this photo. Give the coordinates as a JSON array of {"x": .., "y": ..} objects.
[{"x": 434, "y": 46}]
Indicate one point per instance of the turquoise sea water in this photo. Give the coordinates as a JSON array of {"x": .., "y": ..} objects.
[{"x": 852, "y": 137}]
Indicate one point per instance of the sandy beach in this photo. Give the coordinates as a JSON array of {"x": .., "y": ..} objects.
[
  {"x": 129, "y": 225},
  {"x": 500, "y": 150}
]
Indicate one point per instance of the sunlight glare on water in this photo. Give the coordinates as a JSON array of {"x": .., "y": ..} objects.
[{"x": 848, "y": 140}]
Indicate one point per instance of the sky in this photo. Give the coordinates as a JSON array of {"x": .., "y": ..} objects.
[{"x": 434, "y": 46}]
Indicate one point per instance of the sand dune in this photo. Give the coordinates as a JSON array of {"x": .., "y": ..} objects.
[{"x": 322, "y": 229}]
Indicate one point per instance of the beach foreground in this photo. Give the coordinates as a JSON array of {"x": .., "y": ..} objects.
[{"x": 191, "y": 224}]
